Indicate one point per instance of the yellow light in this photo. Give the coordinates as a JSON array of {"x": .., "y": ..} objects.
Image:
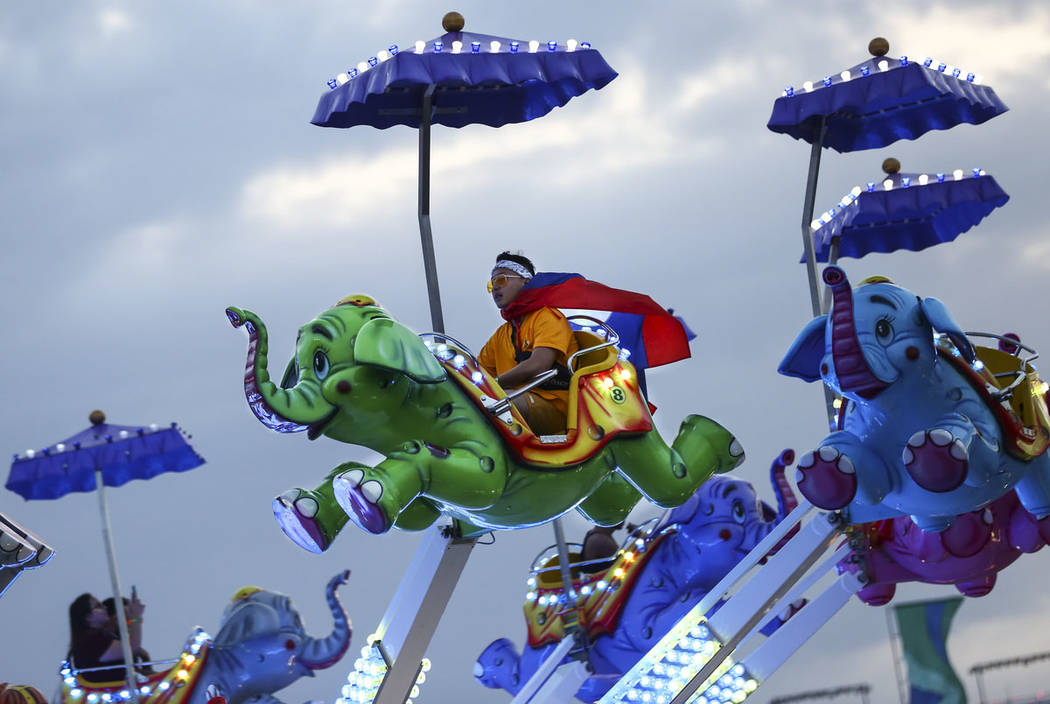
[
  {"x": 182, "y": 675},
  {"x": 618, "y": 572},
  {"x": 837, "y": 403},
  {"x": 1040, "y": 388},
  {"x": 625, "y": 375},
  {"x": 188, "y": 659},
  {"x": 628, "y": 557},
  {"x": 608, "y": 382}
]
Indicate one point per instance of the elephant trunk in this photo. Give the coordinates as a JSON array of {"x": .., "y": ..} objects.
[
  {"x": 851, "y": 369},
  {"x": 284, "y": 410},
  {"x": 786, "y": 501},
  {"x": 318, "y": 654}
]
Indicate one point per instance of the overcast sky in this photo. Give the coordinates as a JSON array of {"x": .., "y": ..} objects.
[{"x": 159, "y": 165}]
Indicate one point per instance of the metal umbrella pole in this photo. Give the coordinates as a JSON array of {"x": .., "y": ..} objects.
[
  {"x": 808, "y": 204},
  {"x": 426, "y": 236},
  {"x": 118, "y": 600}
]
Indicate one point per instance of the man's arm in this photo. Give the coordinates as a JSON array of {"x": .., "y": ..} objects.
[{"x": 542, "y": 359}]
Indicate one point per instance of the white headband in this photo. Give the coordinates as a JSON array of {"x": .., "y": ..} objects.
[{"x": 518, "y": 269}]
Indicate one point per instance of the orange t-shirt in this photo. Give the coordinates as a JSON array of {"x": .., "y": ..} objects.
[{"x": 545, "y": 327}]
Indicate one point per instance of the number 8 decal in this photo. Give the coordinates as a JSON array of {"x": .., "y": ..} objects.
[{"x": 617, "y": 395}]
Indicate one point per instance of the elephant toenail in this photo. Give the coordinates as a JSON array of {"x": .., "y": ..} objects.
[
  {"x": 343, "y": 386},
  {"x": 912, "y": 352}
]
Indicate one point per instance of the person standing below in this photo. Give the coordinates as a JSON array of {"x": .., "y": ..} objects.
[
  {"x": 528, "y": 345},
  {"x": 90, "y": 645}
]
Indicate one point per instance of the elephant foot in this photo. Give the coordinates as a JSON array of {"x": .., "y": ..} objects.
[
  {"x": 360, "y": 499},
  {"x": 936, "y": 460},
  {"x": 700, "y": 437},
  {"x": 296, "y": 514},
  {"x": 877, "y": 594},
  {"x": 968, "y": 534},
  {"x": 826, "y": 478},
  {"x": 978, "y": 587}
]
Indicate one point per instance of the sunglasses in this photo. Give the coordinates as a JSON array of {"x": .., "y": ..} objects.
[{"x": 500, "y": 280}]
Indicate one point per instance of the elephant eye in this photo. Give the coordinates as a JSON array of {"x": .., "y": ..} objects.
[
  {"x": 321, "y": 365},
  {"x": 289, "y": 644},
  {"x": 739, "y": 514},
  {"x": 883, "y": 330}
]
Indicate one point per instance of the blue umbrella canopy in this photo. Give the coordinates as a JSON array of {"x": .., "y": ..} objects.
[
  {"x": 120, "y": 452},
  {"x": 906, "y": 211},
  {"x": 478, "y": 79},
  {"x": 882, "y": 100}
]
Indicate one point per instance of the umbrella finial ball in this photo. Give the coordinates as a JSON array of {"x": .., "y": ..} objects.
[
  {"x": 891, "y": 166},
  {"x": 453, "y": 22},
  {"x": 878, "y": 46},
  {"x": 97, "y": 417}
]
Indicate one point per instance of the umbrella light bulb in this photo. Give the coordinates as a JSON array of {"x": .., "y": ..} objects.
[
  {"x": 457, "y": 46},
  {"x": 888, "y": 184},
  {"x": 923, "y": 179},
  {"x": 420, "y": 46},
  {"x": 845, "y": 75},
  {"x": 552, "y": 46},
  {"x": 884, "y": 65},
  {"x": 494, "y": 46},
  {"x": 956, "y": 72},
  {"x": 352, "y": 73},
  {"x": 940, "y": 177},
  {"x": 393, "y": 49},
  {"x": 941, "y": 66},
  {"x": 514, "y": 47},
  {"x": 332, "y": 83},
  {"x": 585, "y": 45},
  {"x": 382, "y": 54},
  {"x": 571, "y": 45},
  {"x": 970, "y": 77},
  {"x": 926, "y": 61},
  {"x": 865, "y": 70},
  {"x": 373, "y": 61},
  {"x": 827, "y": 81},
  {"x": 903, "y": 60},
  {"x": 438, "y": 46},
  {"x": 957, "y": 174},
  {"x": 362, "y": 67},
  {"x": 533, "y": 46},
  {"x": 341, "y": 79},
  {"x": 905, "y": 181},
  {"x": 475, "y": 47},
  {"x": 808, "y": 86}
]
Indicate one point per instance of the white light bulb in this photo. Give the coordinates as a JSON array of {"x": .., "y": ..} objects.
[
  {"x": 457, "y": 46},
  {"x": 494, "y": 46},
  {"x": 420, "y": 46},
  {"x": 383, "y": 54},
  {"x": 977, "y": 79},
  {"x": 808, "y": 86},
  {"x": 888, "y": 184},
  {"x": 571, "y": 45},
  {"x": 30, "y": 454},
  {"x": 533, "y": 46},
  {"x": 845, "y": 75},
  {"x": 884, "y": 65},
  {"x": 342, "y": 78},
  {"x": 923, "y": 179},
  {"x": 363, "y": 66},
  {"x": 958, "y": 174},
  {"x": 855, "y": 191}
]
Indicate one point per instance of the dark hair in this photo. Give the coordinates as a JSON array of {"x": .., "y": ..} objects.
[
  {"x": 78, "y": 612},
  {"x": 518, "y": 259},
  {"x": 111, "y": 605}
]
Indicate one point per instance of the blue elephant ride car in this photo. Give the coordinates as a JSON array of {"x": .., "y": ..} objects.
[
  {"x": 261, "y": 647},
  {"x": 932, "y": 427},
  {"x": 628, "y": 602}
]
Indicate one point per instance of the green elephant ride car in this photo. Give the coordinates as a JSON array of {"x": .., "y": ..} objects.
[{"x": 453, "y": 443}]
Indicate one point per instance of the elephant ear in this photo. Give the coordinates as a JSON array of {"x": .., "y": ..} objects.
[
  {"x": 942, "y": 321},
  {"x": 387, "y": 344},
  {"x": 803, "y": 357},
  {"x": 247, "y": 620}
]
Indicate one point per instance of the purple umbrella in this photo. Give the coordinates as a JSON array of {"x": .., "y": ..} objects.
[
  {"x": 904, "y": 211},
  {"x": 103, "y": 455},
  {"x": 457, "y": 79},
  {"x": 871, "y": 105}
]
